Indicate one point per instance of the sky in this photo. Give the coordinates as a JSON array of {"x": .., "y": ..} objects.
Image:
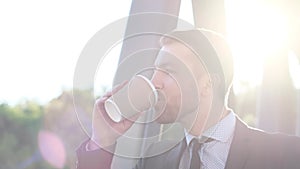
[{"x": 40, "y": 42}]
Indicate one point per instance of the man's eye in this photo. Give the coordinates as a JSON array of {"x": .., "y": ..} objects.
[{"x": 170, "y": 70}]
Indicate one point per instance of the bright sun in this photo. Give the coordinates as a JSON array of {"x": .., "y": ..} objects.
[{"x": 254, "y": 31}]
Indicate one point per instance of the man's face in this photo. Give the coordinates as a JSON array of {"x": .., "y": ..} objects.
[{"x": 179, "y": 79}]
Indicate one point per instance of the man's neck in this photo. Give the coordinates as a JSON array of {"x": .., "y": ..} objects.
[{"x": 198, "y": 128}]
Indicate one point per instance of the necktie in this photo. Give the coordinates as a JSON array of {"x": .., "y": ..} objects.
[
  {"x": 196, "y": 146},
  {"x": 195, "y": 160}
]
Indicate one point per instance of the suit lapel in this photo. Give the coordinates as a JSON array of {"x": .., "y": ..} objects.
[
  {"x": 173, "y": 157},
  {"x": 239, "y": 149},
  {"x": 167, "y": 160}
]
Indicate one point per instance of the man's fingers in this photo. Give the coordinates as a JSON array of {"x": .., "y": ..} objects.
[
  {"x": 115, "y": 89},
  {"x": 119, "y": 87},
  {"x": 101, "y": 110},
  {"x": 100, "y": 102},
  {"x": 129, "y": 122}
]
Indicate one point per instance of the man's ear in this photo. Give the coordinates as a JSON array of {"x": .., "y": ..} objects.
[
  {"x": 206, "y": 89},
  {"x": 215, "y": 80}
]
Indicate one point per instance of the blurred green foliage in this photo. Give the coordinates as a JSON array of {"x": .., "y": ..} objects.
[
  {"x": 19, "y": 127},
  {"x": 21, "y": 123}
]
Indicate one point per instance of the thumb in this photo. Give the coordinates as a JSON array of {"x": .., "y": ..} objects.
[{"x": 128, "y": 122}]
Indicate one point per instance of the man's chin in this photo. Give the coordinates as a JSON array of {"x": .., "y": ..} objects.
[
  {"x": 164, "y": 118},
  {"x": 163, "y": 121}
]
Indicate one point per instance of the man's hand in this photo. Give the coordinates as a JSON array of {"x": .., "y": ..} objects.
[{"x": 105, "y": 131}]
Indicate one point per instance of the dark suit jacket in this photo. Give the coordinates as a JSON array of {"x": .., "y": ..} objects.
[{"x": 250, "y": 149}]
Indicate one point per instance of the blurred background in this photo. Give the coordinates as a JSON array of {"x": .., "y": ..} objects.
[{"x": 42, "y": 40}]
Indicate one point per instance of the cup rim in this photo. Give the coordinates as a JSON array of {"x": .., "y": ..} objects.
[{"x": 113, "y": 110}]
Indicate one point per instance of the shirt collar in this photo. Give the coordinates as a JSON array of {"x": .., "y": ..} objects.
[{"x": 221, "y": 131}]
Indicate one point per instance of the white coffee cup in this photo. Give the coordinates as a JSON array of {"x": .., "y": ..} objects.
[{"x": 138, "y": 95}]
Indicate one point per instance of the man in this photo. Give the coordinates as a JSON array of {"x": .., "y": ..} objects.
[{"x": 194, "y": 72}]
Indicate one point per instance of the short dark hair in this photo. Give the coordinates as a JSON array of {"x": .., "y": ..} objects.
[{"x": 211, "y": 48}]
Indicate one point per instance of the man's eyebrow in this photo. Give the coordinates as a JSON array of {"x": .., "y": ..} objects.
[
  {"x": 161, "y": 64},
  {"x": 164, "y": 66},
  {"x": 164, "y": 63}
]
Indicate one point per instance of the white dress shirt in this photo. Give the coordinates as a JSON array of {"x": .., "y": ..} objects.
[{"x": 213, "y": 155}]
